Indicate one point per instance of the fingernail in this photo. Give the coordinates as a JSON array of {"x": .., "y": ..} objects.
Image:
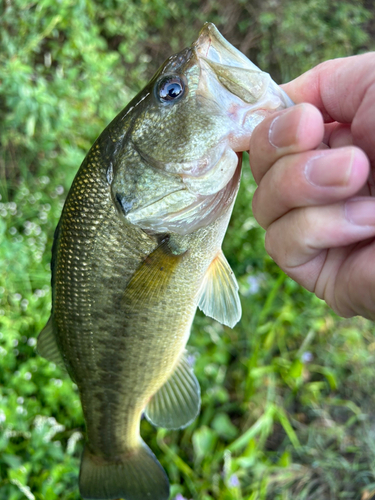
[
  {"x": 360, "y": 211},
  {"x": 284, "y": 128},
  {"x": 330, "y": 167}
]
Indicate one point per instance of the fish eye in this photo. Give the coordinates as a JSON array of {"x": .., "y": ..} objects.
[{"x": 170, "y": 88}]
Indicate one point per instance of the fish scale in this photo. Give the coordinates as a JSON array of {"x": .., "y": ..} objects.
[
  {"x": 83, "y": 296},
  {"x": 138, "y": 248}
]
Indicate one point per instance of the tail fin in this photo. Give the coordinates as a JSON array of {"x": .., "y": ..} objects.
[{"x": 139, "y": 477}]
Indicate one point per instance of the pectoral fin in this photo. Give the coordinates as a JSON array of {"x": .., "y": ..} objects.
[
  {"x": 152, "y": 278},
  {"x": 219, "y": 298},
  {"x": 47, "y": 346},
  {"x": 177, "y": 402}
]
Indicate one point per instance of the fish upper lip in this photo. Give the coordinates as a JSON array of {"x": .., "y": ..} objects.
[
  {"x": 257, "y": 89},
  {"x": 211, "y": 45}
]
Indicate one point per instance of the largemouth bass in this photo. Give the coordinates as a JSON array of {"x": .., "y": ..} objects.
[{"x": 138, "y": 248}]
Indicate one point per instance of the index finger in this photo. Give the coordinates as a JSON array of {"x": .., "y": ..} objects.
[{"x": 293, "y": 130}]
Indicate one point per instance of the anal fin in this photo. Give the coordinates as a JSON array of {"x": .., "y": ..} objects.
[
  {"x": 219, "y": 293},
  {"x": 177, "y": 402}
]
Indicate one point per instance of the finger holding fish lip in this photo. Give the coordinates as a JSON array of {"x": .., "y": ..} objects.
[
  {"x": 294, "y": 130},
  {"x": 290, "y": 175},
  {"x": 308, "y": 195}
]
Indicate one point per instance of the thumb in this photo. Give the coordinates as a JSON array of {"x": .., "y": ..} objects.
[{"x": 344, "y": 91}]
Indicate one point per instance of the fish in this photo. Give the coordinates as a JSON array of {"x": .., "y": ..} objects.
[{"x": 138, "y": 249}]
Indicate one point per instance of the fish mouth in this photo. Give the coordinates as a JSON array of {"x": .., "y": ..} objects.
[
  {"x": 214, "y": 47},
  {"x": 259, "y": 95}
]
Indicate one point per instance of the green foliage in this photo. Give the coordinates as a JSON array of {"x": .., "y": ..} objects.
[
  {"x": 310, "y": 32},
  {"x": 287, "y": 395}
]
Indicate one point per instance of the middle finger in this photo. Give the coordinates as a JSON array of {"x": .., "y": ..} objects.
[{"x": 307, "y": 179}]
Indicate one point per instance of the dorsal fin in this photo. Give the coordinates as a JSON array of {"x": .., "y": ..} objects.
[{"x": 219, "y": 293}]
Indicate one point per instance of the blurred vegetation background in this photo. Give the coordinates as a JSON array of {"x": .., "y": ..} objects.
[{"x": 288, "y": 394}]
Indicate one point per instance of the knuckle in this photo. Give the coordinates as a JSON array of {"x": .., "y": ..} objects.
[
  {"x": 255, "y": 204},
  {"x": 260, "y": 211},
  {"x": 291, "y": 238},
  {"x": 269, "y": 243},
  {"x": 283, "y": 175},
  {"x": 274, "y": 245},
  {"x": 303, "y": 228},
  {"x": 363, "y": 120},
  {"x": 258, "y": 142},
  {"x": 278, "y": 247}
]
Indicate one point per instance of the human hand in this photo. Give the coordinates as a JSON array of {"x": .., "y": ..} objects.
[{"x": 317, "y": 203}]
